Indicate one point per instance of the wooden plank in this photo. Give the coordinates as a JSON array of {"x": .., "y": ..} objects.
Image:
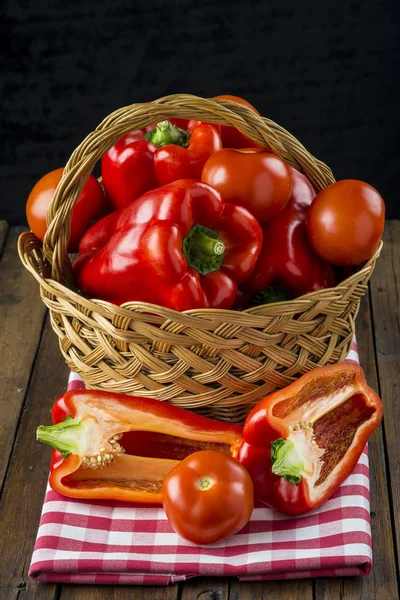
[
  {"x": 330, "y": 589},
  {"x": 273, "y": 590},
  {"x": 3, "y": 234},
  {"x": 125, "y": 592},
  {"x": 43, "y": 591},
  {"x": 381, "y": 583},
  {"x": 385, "y": 296},
  {"x": 21, "y": 503},
  {"x": 22, "y": 315},
  {"x": 205, "y": 588}
]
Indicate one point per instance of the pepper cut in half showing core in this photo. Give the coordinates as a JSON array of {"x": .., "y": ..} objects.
[
  {"x": 302, "y": 442},
  {"x": 118, "y": 447}
]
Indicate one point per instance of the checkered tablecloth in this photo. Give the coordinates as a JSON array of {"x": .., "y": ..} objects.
[{"x": 119, "y": 543}]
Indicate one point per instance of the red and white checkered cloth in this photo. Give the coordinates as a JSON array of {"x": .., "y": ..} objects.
[{"x": 119, "y": 543}]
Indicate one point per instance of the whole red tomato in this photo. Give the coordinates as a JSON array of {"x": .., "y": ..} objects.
[
  {"x": 208, "y": 496},
  {"x": 232, "y": 137},
  {"x": 91, "y": 206},
  {"x": 250, "y": 177},
  {"x": 345, "y": 222}
]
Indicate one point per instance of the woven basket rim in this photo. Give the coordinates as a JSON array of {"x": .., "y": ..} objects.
[{"x": 146, "y": 306}]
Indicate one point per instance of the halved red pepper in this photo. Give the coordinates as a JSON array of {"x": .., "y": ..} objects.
[
  {"x": 302, "y": 442},
  {"x": 118, "y": 447},
  {"x": 147, "y": 158},
  {"x": 178, "y": 246}
]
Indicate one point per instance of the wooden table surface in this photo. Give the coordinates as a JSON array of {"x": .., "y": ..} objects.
[{"x": 33, "y": 374}]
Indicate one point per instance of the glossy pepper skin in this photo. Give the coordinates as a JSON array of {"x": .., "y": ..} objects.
[
  {"x": 118, "y": 447},
  {"x": 302, "y": 442},
  {"x": 148, "y": 158},
  {"x": 288, "y": 267},
  {"x": 178, "y": 246}
]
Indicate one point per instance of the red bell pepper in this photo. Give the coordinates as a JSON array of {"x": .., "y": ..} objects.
[
  {"x": 147, "y": 158},
  {"x": 118, "y": 447},
  {"x": 178, "y": 246},
  {"x": 288, "y": 266},
  {"x": 301, "y": 443}
]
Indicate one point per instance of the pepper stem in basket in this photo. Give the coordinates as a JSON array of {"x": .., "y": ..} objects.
[
  {"x": 203, "y": 249},
  {"x": 165, "y": 133}
]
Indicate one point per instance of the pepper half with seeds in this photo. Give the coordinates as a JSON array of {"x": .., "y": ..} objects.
[
  {"x": 118, "y": 447},
  {"x": 301, "y": 443}
]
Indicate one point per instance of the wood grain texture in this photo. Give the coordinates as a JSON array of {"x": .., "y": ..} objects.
[
  {"x": 205, "y": 588},
  {"x": 123, "y": 592},
  {"x": 381, "y": 583},
  {"x": 3, "y": 234},
  {"x": 329, "y": 589},
  {"x": 300, "y": 589},
  {"x": 22, "y": 315},
  {"x": 22, "y": 499},
  {"x": 43, "y": 591},
  {"x": 385, "y": 299}
]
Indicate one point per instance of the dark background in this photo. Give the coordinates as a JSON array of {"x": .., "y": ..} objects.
[{"x": 328, "y": 71}]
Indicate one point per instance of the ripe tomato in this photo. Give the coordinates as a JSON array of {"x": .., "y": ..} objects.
[
  {"x": 231, "y": 137},
  {"x": 208, "y": 496},
  {"x": 345, "y": 222},
  {"x": 250, "y": 177},
  {"x": 91, "y": 206}
]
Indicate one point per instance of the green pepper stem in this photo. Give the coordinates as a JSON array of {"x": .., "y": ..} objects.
[
  {"x": 165, "y": 133},
  {"x": 270, "y": 294},
  {"x": 64, "y": 437},
  {"x": 286, "y": 461},
  {"x": 203, "y": 249}
]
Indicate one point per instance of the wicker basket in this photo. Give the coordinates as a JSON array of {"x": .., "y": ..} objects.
[{"x": 217, "y": 362}]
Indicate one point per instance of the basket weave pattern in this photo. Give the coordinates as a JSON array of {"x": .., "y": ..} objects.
[{"x": 217, "y": 362}]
